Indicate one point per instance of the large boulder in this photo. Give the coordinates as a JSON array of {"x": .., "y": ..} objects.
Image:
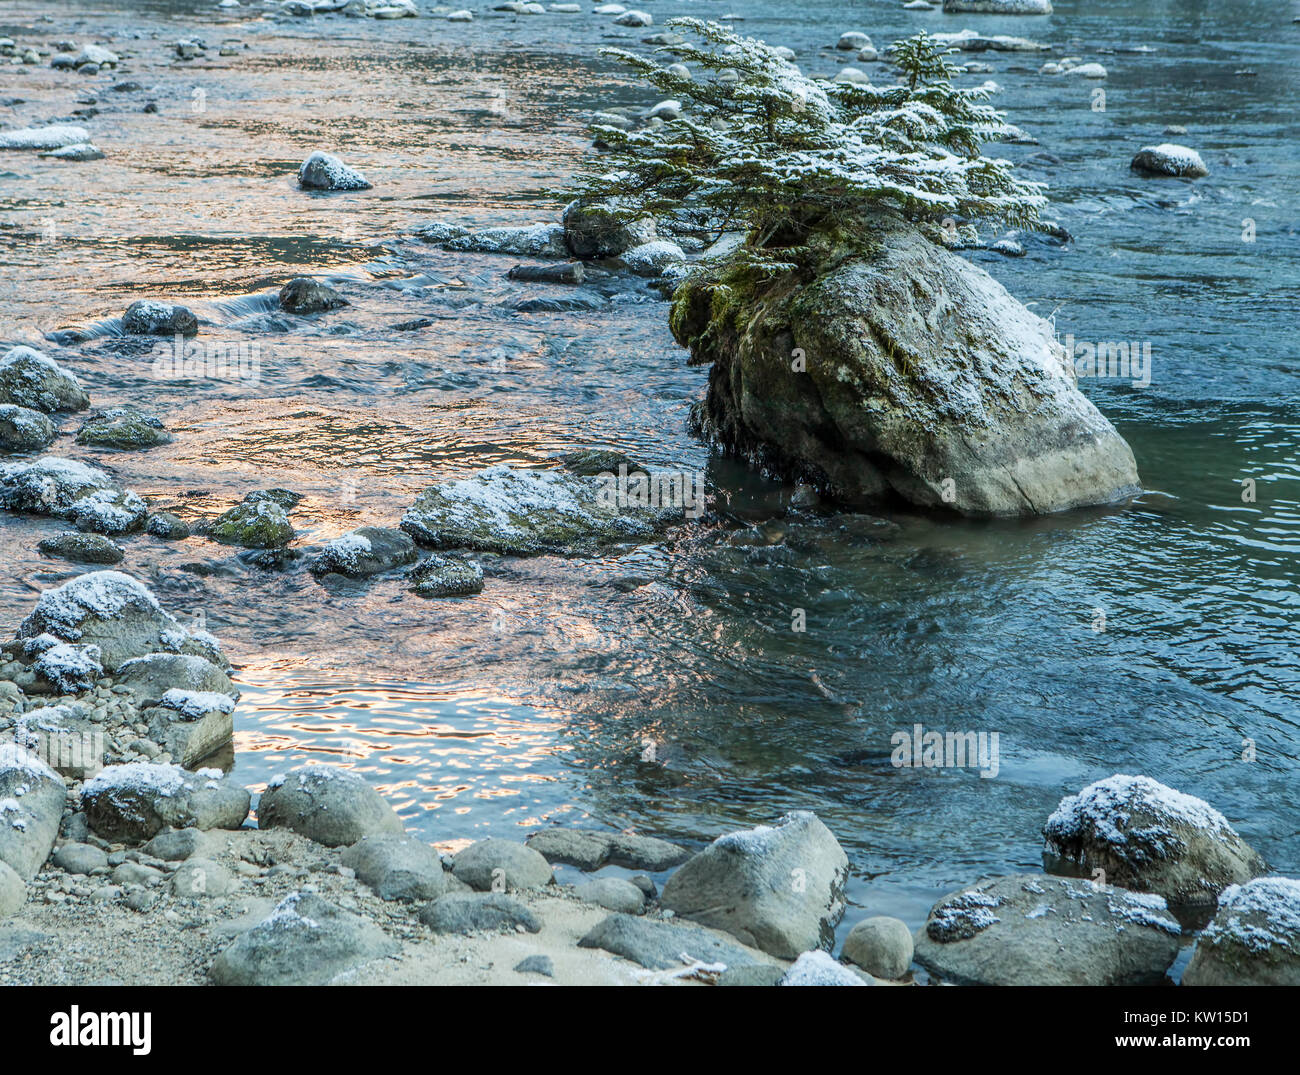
[
  {"x": 1254, "y": 938},
  {"x": 64, "y": 737},
  {"x": 69, "y": 489},
  {"x": 901, "y": 371},
  {"x": 880, "y": 945},
  {"x": 1034, "y": 930},
  {"x": 304, "y": 941},
  {"x": 191, "y": 725},
  {"x": 327, "y": 804},
  {"x": 778, "y": 888},
  {"x": 666, "y": 945},
  {"x": 13, "y": 891},
  {"x": 149, "y": 678},
  {"x": 134, "y": 802},
  {"x": 116, "y": 613},
  {"x": 594, "y": 230},
  {"x": 530, "y": 512},
  {"x": 498, "y": 865},
  {"x": 1150, "y": 838},
  {"x": 23, "y": 429},
  {"x": 1169, "y": 159},
  {"x": 31, "y": 806},
  {"x": 397, "y": 867}
]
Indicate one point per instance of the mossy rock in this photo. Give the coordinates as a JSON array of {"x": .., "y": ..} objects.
[
  {"x": 124, "y": 429},
  {"x": 254, "y": 524}
]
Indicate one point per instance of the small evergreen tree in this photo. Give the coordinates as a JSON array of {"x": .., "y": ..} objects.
[{"x": 782, "y": 157}]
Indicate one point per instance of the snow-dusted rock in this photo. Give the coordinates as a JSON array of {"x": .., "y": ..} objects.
[
  {"x": 973, "y": 41},
  {"x": 31, "y": 807},
  {"x": 55, "y": 136},
  {"x": 325, "y": 803},
  {"x": 67, "y": 489},
  {"x": 531, "y": 240},
  {"x": 1086, "y": 70},
  {"x": 30, "y": 379},
  {"x": 149, "y": 317},
  {"x": 447, "y": 576},
  {"x": 853, "y": 41},
  {"x": 323, "y": 171},
  {"x": 82, "y": 548},
  {"x": 69, "y": 667},
  {"x": 1254, "y": 938},
  {"x": 304, "y": 941},
  {"x": 818, "y": 968},
  {"x": 23, "y": 429},
  {"x": 530, "y": 512},
  {"x": 64, "y": 737},
  {"x": 132, "y": 803},
  {"x": 1031, "y": 930},
  {"x": 1150, "y": 838},
  {"x": 123, "y": 429},
  {"x": 654, "y": 258},
  {"x": 778, "y": 888},
  {"x": 191, "y": 725},
  {"x": 257, "y": 522},
  {"x": 366, "y": 551},
  {"x": 397, "y": 867},
  {"x": 81, "y": 151},
  {"x": 923, "y": 379},
  {"x": 997, "y": 7},
  {"x": 601, "y": 231},
  {"x": 116, "y": 613},
  {"x": 151, "y": 676},
  {"x": 1170, "y": 159},
  {"x": 303, "y": 295},
  {"x": 635, "y": 18}
]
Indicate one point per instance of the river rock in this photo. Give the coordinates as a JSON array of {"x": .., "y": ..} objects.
[
  {"x": 255, "y": 523},
  {"x": 31, "y": 807},
  {"x": 655, "y": 258},
  {"x": 63, "y": 736},
  {"x": 119, "y": 615},
  {"x": 123, "y": 428},
  {"x": 532, "y": 512},
  {"x": 303, "y": 295},
  {"x": 164, "y": 524},
  {"x": 201, "y": 877},
  {"x": 81, "y": 152},
  {"x": 498, "y": 865},
  {"x": 149, "y": 317},
  {"x": 778, "y": 888},
  {"x": 1254, "y": 938},
  {"x": 82, "y": 548},
  {"x": 536, "y": 964},
  {"x": 68, "y": 489},
  {"x": 1150, "y": 838},
  {"x": 853, "y": 41},
  {"x": 613, "y": 894},
  {"x": 304, "y": 941},
  {"x": 322, "y": 171},
  {"x": 533, "y": 240},
  {"x": 472, "y": 912},
  {"x": 571, "y": 272},
  {"x": 997, "y": 7},
  {"x": 191, "y": 725},
  {"x": 327, "y": 804},
  {"x": 151, "y": 677},
  {"x": 53, "y": 136},
  {"x": 446, "y": 576},
  {"x": 590, "y": 849},
  {"x": 596, "y": 230},
  {"x": 133, "y": 802},
  {"x": 881, "y": 946},
  {"x": 635, "y": 18},
  {"x": 368, "y": 550},
  {"x": 1031, "y": 930},
  {"x": 922, "y": 378},
  {"x": 666, "y": 945},
  {"x": 1170, "y": 159},
  {"x": 818, "y": 968},
  {"x": 13, "y": 891},
  {"x": 81, "y": 859},
  {"x": 397, "y": 867},
  {"x": 176, "y": 845},
  {"x": 32, "y": 380},
  {"x": 23, "y": 429}
]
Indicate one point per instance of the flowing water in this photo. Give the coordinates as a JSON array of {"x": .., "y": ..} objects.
[{"x": 664, "y": 688}]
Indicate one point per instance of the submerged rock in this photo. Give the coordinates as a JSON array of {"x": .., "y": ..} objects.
[
  {"x": 1170, "y": 159},
  {"x": 24, "y": 430},
  {"x": 368, "y": 550},
  {"x": 997, "y": 7},
  {"x": 132, "y": 803},
  {"x": 82, "y": 548},
  {"x": 1150, "y": 838},
  {"x": 322, "y": 171},
  {"x": 1030, "y": 930},
  {"x": 531, "y": 512},
  {"x": 123, "y": 428},
  {"x": 447, "y": 576},
  {"x": 905, "y": 371},
  {"x": 778, "y": 888},
  {"x": 570, "y": 272},
  {"x": 31, "y": 807},
  {"x": 325, "y": 803},
  {"x": 148, "y": 317},
  {"x": 30, "y": 379},
  {"x": 304, "y": 941},
  {"x": 1254, "y": 938},
  {"x": 303, "y": 295}
]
